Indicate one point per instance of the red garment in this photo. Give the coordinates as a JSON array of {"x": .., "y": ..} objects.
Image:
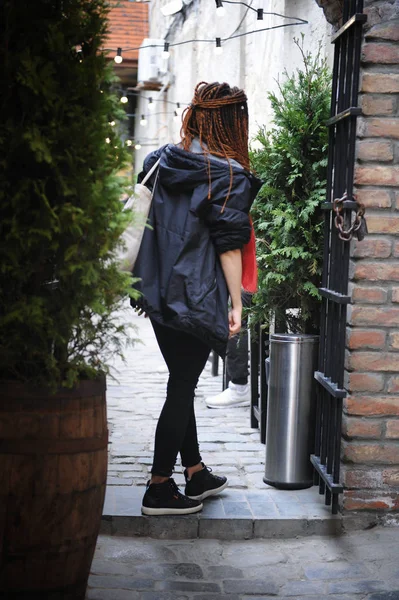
[{"x": 249, "y": 280}]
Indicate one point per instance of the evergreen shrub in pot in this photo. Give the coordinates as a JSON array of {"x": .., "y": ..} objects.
[
  {"x": 291, "y": 159},
  {"x": 60, "y": 220}
]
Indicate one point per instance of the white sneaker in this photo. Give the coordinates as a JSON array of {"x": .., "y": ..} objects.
[{"x": 234, "y": 395}]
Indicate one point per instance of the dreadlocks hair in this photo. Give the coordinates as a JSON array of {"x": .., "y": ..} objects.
[{"x": 218, "y": 117}]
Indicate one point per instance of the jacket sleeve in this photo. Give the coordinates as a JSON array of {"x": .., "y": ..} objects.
[{"x": 230, "y": 227}]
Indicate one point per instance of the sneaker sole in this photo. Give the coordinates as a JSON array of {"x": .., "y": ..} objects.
[
  {"x": 208, "y": 493},
  {"x": 244, "y": 403},
  {"x": 170, "y": 511}
]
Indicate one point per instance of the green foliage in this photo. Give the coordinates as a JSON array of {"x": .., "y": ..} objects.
[
  {"x": 60, "y": 209},
  {"x": 287, "y": 217}
]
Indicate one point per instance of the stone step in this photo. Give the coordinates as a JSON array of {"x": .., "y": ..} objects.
[{"x": 233, "y": 515}]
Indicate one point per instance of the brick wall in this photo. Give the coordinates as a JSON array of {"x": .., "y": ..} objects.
[{"x": 370, "y": 448}]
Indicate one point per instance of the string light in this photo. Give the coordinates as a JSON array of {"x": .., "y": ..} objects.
[
  {"x": 151, "y": 104},
  {"x": 124, "y": 99},
  {"x": 172, "y": 7},
  {"x": 260, "y": 14},
  {"x": 129, "y": 142},
  {"x": 143, "y": 121},
  {"x": 179, "y": 109},
  {"x": 112, "y": 123},
  {"x": 137, "y": 146},
  {"x": 175, "y": 116},
  {"x": 218, "y": 49},
  {"x": 107, "y": 140},
  {"x": 220, "y": 10},
  {"x": 297, "y": 21},
  {"x": 165, "y": 53},
  {"x": 118, "y": 57}
]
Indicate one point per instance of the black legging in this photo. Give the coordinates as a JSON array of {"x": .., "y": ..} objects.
[{"x": 176, "y": 431}]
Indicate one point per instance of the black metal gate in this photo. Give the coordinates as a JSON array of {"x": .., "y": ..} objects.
[{"x": 339, "y": 228}]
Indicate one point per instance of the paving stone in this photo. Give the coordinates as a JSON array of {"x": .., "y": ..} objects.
[
  {"x": 120, "y": 582},
  {"x": 164, "y": 596},
  {"x": 169, "y": 571},
  {"x": 385, "y": 596},
  {"x": 308, "y": 588},
  {"x": 188, "y": 586},
  {"x": 240, "y": 586},
  {"x": 119, "y": 481},
  {"x": 337, "y": 571},
  {"x": 93, "y": 594},
  {"x": 357, "y": 587},
  {"x": 224, "y": 571}
]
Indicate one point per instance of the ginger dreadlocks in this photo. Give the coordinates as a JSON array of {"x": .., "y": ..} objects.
[{"x": 218, "y": 116}]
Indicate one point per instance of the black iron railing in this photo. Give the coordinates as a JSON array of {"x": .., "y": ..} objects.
[{"x": 334, "y": 291}]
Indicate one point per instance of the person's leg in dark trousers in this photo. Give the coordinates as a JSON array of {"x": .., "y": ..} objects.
[
  {"x": 238, "y": 392},
  {"x": 237, "y": 349},
  {"x": 176, "y": 431}
]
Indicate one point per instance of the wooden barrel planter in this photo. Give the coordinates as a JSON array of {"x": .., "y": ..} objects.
[{"x": 53, "y": 469}]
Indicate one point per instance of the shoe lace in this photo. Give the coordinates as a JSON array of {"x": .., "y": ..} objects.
[{"x": 174, "y": 487}]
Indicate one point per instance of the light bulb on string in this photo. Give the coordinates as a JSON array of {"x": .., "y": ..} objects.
[
  {"x": 165, "y": 53},
  {"x": 118, "y": 57},
  {"x": 124, "y": 99},
  {"x": 179, "y": 109},
  {"x": 107, "y": 140},
  {"x": 220, "y": 9},
  {"x": 218, "y": 49},
  {"x": 259, "y": 18},
  {"x": 137, "y": 146},
  {"x": 151, "y": 104},
  {"x": 175, "y": 116},
  {"x": 129, "y": 142},
  {"x": 112, "y": 123},
  {"x": 143, "y": 121}
]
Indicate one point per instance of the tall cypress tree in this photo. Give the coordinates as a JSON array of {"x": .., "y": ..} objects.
[{"x": 60, "y": 209}]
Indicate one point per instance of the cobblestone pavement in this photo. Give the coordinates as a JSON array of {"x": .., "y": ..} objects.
[
  {"x": 227, "y": 441},
  {"x": 362, "y": 565},
  {"x": 228, "y": 444}
]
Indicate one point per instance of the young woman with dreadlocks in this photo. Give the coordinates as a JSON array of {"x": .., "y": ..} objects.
[{"x": 199, "y": 250}]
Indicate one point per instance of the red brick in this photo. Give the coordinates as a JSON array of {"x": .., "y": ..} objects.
[
  {"x": 374, "y": 151},
  {"x": 383, "y": 223},
  {"x": 374, "y": 198},
  {"x": 396, "y": 249},
  {"x": 369, "y": 295},
  {"x": 385, "y": 31},
  {"x": 393, "y": 385},
  {"x": 379, "y": 127},
  {"x": 371, "y": 452},
  {"x": 370, "y": 500},
  {"x": 393, "y": 340},
  {"x": 377, "y": 175},
  {"x": 128, "y": 26},
  {"x": 366, "y": 338},
  {"x": 374, "y": 247},
  {"x": 380, "y": 53},
  {"x": 385, "y": 316},
  {"x": 356, "y": 478},
  {"x": 372, "y": 405},
  {"x": 377, "y": 105},
  {"x": 376, "y": 271},
  {"x": 365, "y": 382},
  {"x": 390, "y": 476},
  {"x": 392, "y": 428},
  {"x": 361, "y": 428},
  {"x": 380, "y": 83},
  {"x": 397, "y": 200},
  {"x": 374, "y": 361},
  {"x": 395, "y": 294}
]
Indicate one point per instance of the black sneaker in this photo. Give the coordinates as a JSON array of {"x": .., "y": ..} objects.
[
  {"x": 166, "y": 499},
  {"x": 203, "y": 484}
]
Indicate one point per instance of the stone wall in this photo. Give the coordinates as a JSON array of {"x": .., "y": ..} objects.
[{"x": 371, "y": 415}]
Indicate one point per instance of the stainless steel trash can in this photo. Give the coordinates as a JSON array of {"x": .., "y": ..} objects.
[{"x": 291, "y": 411}]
